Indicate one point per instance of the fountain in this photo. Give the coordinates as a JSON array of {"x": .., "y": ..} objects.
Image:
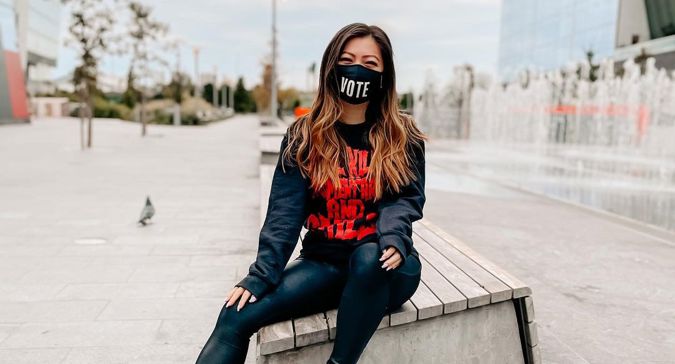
[{"x": 585, "y": 133}]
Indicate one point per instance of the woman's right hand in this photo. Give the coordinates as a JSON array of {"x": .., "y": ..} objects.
[{"x": 239, "y": 292}]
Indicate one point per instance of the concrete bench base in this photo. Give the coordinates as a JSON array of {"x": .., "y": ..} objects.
[{"x": 486, "y": 334}]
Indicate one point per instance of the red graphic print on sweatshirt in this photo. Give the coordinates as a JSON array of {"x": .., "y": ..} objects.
[{"x": 349, "y": 211}]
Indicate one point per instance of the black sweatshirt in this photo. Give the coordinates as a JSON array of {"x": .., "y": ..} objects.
[{"x": 337, "y": 221}]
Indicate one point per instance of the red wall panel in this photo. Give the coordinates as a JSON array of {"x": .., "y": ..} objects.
[{"x": 17, "y": 87}]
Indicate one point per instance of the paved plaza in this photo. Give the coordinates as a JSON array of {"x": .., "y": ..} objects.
[
  {"x": 81, "y": 282},
  {"x": 146, "y": 294}
]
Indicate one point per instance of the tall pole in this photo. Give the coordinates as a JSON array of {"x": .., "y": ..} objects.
[
  {"x": 195, "y": 51},
  {"x": 273, "y": 92},
  {"x": 231, "y": 95},
  {"x": 214, "y": 92},
  {"x": 223, "y": 95},
  {"x": 179, "y": 88}
]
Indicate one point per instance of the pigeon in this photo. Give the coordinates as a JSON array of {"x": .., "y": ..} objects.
[{"x": 147, "y": 213}]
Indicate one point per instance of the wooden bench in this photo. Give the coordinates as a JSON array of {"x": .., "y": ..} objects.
[{"x": 466, "y": 309}]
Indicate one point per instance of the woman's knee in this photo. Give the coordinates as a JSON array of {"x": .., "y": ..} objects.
[
  {"x": 365, "y": 265},
  {"x": 236, "y": 323}
]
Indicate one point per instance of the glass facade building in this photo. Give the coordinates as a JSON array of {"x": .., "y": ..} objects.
[
  {"x": 8, "y": 25},
  {"x": 44, "y": 28},
  {"x": 545, "y": 34},
  {"x": 661, "y": 15},
  {"x": 40, "y": 31}
]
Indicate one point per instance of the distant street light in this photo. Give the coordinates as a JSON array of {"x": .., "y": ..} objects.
[
  {"x": 214, "y": 94},
  {"x": 195, "y": 51},
  {"x": 273, "y": 92}
]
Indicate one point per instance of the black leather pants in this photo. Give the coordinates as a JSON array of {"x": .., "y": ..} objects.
[{"x": 361, "y": 290}]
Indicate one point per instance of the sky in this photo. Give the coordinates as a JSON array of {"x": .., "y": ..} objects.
[{"x": 428, "y": 36}]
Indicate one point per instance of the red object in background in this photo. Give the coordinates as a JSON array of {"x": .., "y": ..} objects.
[
  {"x": 300, "y": 111},
  {"x": 641, "y": 113},
  {"x": 17, "y": 87},
  {"x": 643, "y": 120}
]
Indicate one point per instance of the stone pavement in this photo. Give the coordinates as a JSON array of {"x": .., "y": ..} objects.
[
  {"x": 80, "y": 282},
  {"x": 143, "y": 294}
]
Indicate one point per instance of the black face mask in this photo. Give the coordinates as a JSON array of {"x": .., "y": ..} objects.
[{"x": 357, "y": 84}]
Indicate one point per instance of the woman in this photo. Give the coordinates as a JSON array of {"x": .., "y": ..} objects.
[{"x": 352, "y": 173}]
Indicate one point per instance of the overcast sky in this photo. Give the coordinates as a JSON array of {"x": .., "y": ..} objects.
[{"x": 234, "y": 35}]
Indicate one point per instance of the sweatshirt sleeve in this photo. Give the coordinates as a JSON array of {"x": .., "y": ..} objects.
[
  {"x": 397, "y": 212},
  {"x": 286, "y": 213}
]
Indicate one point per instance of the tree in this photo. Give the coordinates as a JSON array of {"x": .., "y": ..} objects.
[
  {"x": 131, "y": 94},
  {"x": 207, "y": 94},
  {"x": 287, "y": 98},
  {"x": 176, "y": 89},
  {"x": 143, "y": 32},
  {"x": 589, "y": 70},
  {"x": 261, "y": 92},
  {"x": 641, "y": 60},
  {"x": 243, "y": 102},
  {"x": 406, "y": 101},
  {"x": 90, "y": 30}
]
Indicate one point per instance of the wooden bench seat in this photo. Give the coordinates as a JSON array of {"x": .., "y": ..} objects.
[{"x": 466, "y": 309}]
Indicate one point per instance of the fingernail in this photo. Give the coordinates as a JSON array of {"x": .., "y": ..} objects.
[{"x": 384, "y": 265}]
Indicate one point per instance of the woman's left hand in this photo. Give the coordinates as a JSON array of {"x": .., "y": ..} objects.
[{"x": 392, "y": 258}]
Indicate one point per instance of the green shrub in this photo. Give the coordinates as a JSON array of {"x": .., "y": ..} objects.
[{"x": 108, "y": 109}]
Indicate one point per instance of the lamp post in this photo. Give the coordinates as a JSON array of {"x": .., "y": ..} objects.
[
  {"x": 195, "y": 52},
  {"x": 231, "y": 95},
  {"x": 214, "y": 91},
  {"x": 273, "y": 92}
]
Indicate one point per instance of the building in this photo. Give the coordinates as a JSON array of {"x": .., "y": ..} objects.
[
  {"x": 647, "y": 28},
  {"x": 39, "y": 25},
  {"x": 13, "y": 96},
  {"x": 545, "y": 35},
  {"x": 50, "y": 106},
  {"x": 30, "y": 41}
]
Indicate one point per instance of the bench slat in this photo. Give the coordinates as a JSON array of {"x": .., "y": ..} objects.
[
  {"x": 520, "y": 289},
  {"x": 386, "y": 322},
  {"x": 310, "y": 329},
  {"x": 498, "y": 290},
  {"x": 452, "y": 299},
  {"x": 531, "y": 335},
  {"x": 276, "y": 337},
  {"x": 529, "y": 309},
  {"x": 427, "y": 304},
  {"x": 331, "y": 317},
  {"x": 404, "y": 314},
  {"x": 475, "y": 294}
]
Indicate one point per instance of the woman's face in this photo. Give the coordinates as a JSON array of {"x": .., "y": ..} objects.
[{"x": 364, "y": 51}]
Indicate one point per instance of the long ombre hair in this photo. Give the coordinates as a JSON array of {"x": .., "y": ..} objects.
[{"x": 318, "y": 148}]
